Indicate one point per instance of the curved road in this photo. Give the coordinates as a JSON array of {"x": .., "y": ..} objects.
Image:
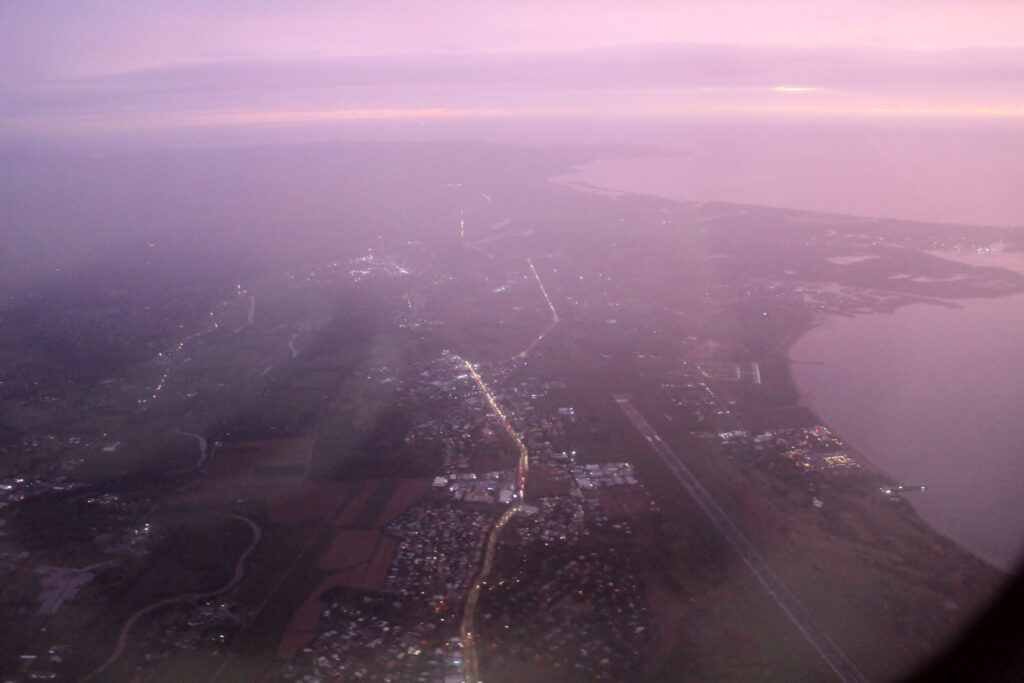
[
  {"x": 122, "y": 639},
  {"x": 203, "y": 452},
  {"x": 470, "y": 665},
  {"x": 250, "y": 315}
]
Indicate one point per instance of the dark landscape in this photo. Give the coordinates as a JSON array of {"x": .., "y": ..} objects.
[
  {"x": 391, "y": 442},
  {"x": 533, "y": 342}
]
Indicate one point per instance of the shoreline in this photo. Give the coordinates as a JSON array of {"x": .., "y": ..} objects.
[
  {"x": 787, "y": 343},
  {"x": 859, "y": 455},
  {"x": 777, "y": 198},
  {"x": 808, "y": 402}
]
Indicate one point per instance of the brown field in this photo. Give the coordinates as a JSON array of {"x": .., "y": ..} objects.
[
  {"x": 358, "y": 502},
  {"x": 314, "y": 502},
  {"x": 376, "y": 502},
  {"x": 541, "y": 484},
  {"x": 667, "y": 611},
  {"x": 348, "y": 548},
  {"x": 376, "y": 570},
  {"x": 305, "y": 620},
  {"x": 252, "y": 470},
  {"x": 356, "y": 558},
  {"x": 364, "y": 557},
  {"x": 624, "y": 501},
  {"x": 408, "y": 493}
]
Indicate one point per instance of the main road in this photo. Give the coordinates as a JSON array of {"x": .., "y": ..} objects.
[
  {"x": 470, "y": 663},
  {"x": 845, "y": 670},
  {"x": 551, "y": 306}
]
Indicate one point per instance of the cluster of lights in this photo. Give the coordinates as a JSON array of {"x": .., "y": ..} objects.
[{"x": 175, "y": 350}]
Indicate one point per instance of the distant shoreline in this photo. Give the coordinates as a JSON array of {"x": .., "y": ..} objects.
[{"x": 797, "y": 334}]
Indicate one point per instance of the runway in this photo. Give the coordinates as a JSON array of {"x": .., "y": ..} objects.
[{"x": 845, "y": 670}]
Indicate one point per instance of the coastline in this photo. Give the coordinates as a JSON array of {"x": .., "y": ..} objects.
[
  {"x": 806, "y": 401},
  {"x": 813, "y": 404},
  {"x": 996, "y": 257}
]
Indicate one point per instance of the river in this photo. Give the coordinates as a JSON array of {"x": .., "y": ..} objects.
[{"x": 932, "y": 395}]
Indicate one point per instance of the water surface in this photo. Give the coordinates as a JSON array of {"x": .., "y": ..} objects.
[
  {"x": 934, "y": 396},
  {"x": 956, "y": 174}
]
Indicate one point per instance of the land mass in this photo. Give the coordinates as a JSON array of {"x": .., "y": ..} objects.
[{"x": 410, "y": 460}]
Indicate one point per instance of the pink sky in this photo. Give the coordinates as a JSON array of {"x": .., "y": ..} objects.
[{"x": 82, "y": 65}]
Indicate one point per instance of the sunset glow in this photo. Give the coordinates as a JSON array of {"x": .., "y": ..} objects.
[{"x": 154, "y": 70}]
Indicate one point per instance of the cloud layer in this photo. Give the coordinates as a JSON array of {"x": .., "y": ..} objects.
[{"x": 99, "y": 65}]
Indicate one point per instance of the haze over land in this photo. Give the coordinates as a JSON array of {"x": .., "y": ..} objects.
[
  {"x": 377, "y": 342},
  {"x": 931, "y": 393}
]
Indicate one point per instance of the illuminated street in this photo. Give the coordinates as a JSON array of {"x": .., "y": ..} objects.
[
  {"x": 470, "y": 665},
  {"x": 554, "y": 313}
]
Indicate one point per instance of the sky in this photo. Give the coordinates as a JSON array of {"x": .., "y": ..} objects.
[{"x": 76, "y": 67}]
